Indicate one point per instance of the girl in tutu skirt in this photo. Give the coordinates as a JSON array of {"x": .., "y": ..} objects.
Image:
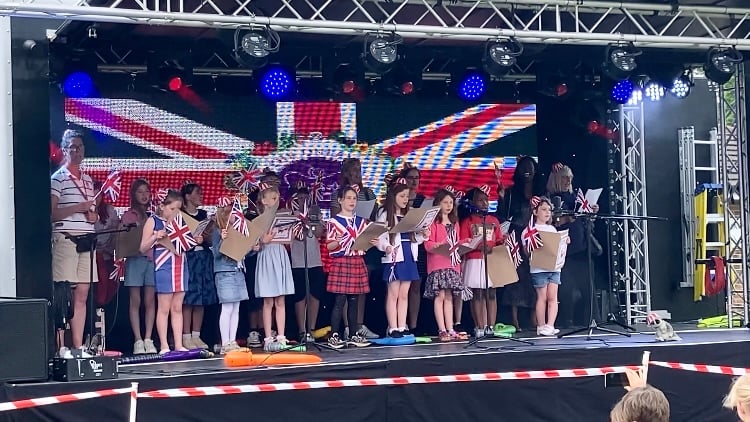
[{"x": 444, "y": 279}]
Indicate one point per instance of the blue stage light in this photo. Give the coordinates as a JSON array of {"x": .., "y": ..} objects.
[
  {"x": 622, "y": 91},
  {"x": 78, "y": 85},
  {"x": 472, "y": 87},
  {"x": 276, "y": 83}
]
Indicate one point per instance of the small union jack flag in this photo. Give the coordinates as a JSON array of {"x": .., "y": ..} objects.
[
  {"x": 531, "y": 238},
  {"x": 238, "y": 218},
  {"x": 179, "y": 234},
  {"x": 316, "y": 190},
  {"x": 119, "y": 272},
  {"x": 514, "y": 249},
  {"x": 453, "y": 244},
  {"x": 245, "y": 179},
  {"x": 583, "y": 202},
  {"x": 112, "y": 185},
  {"x": 299, "y": 225}
]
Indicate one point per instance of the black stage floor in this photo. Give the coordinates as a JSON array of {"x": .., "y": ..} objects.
[{"x": 694, "y": 397}]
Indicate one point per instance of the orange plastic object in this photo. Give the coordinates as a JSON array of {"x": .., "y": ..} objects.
[{"x": 237, "y": 359}]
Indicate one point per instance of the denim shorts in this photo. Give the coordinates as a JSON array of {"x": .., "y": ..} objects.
[
  {"x": 139, "y": 271},
  {"x": 542, "y": 279}
]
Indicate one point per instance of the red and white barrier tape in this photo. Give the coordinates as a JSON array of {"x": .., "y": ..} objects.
[
  {"x": 369, "y": 382},
  {"x": 63, "y": 398},
  {"x": 709, "y": 369}
]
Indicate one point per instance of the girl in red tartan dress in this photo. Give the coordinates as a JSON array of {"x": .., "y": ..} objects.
[{"x": 348, "y": 276}]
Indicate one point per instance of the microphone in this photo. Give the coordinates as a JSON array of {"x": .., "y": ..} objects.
[
  {"x": 476, "y": 210},
  {"x": 556, "y": 206}
]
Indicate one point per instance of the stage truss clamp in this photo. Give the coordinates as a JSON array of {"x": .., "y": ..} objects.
[
  {"x": 628, "y": 239},
  {"x": 529, "y": 21},
  {"x": 733, "y": 173}
]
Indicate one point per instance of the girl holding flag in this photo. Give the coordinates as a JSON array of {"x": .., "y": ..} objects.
[
  {"x": 444, "y": 272},
  {"x": 484, "y": 301},
  {"x": 545, "y": 282},
  {"x": 171, "y": 272},
  {"x": 230, "y": 279}
]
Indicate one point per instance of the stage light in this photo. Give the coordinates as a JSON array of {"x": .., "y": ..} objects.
[
  {"x": 472, "y": 86},
  {"x": 619, "y": 61},
  {"x": 380, "y": 51},
  {"x": 345, "y": 78},
  {"x": 654, "y": 91},
  {"x": 78, "y": 85},
  {"x": 721, "y": 63},
  {"x": 636, "y": 97},
  {"x": 622, "y": 91},
  {"x": 253, "y": 46},
  {"x": 402, "y": 81},
  {"x": 174, "y": 84},
  {"x": 682, "y": 84},
  {"x": 276, "y": 83},
  {"x": 501, "y": 55}
]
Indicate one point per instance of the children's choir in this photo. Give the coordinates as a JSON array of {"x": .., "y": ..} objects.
[{"x": 320, "y": 259}]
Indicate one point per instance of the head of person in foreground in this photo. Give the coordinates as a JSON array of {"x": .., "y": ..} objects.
[
  {"x": 739, "y": 397},
  {"x": 641, "y": 404}
]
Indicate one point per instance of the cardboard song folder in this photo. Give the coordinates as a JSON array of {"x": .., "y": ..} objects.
[{"x": 551, "y": 255}]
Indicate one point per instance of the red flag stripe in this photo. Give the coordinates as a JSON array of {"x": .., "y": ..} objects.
[
  {"x": 142, "y": 131},
  {"x": 453, "y": 129}
]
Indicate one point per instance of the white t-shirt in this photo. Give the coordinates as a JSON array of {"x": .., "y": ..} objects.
[
  {"x": 70, "y": 191},
  {"x": 543, "y": 228}
]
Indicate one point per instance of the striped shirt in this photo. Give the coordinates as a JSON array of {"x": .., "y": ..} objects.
[{"x": 69, "y": 191}]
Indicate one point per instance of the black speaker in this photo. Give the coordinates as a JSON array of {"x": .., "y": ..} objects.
[{"x": 24, "y": 340}]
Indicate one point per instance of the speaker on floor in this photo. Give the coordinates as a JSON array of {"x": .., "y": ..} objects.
[{"x": 24, "y": 340}]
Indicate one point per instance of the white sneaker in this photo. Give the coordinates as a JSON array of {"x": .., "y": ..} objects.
[
  {"x": 148, "y": 346},
  {"x": 230, "y": 347},
  {"x": 187, "y": 342},
  {"x": 253, "y": 339},
  {"x": 546, "y": 330},
  {"x": 64, "y": 353},
  {"x": 139, "y": 347}
]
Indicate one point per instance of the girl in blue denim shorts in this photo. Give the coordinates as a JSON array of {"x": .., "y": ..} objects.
[{"x": 544, "y": 281}]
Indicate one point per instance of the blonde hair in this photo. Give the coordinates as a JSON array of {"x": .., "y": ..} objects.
[
  {"x": 739, "y": 394},
  {"x": 554, "y": 181},
  {"x": 641, "y": 404}
]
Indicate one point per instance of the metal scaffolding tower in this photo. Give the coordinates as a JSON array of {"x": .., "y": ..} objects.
[
  {"x": 733, "y": 173},
  {"x": 628, "y": 239}
]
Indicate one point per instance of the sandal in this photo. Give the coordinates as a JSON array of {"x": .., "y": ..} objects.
[
  {"x": 459, "y": 336},
  {"x": 445, "y": 336}
]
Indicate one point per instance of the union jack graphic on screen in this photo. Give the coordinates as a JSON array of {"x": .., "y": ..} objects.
[{"x": 444, "y": 150}]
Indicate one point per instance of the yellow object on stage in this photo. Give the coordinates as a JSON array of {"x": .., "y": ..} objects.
[
  {"x": 709, "y": 232},
  {"x": 238, "y": 359}
]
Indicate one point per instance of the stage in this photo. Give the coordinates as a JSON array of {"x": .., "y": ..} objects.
[{"x": 693, "y": 396}]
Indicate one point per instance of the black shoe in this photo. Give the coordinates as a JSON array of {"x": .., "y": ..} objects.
[
  {"x": 406, "y": 332},
  {"x": 395, "y": 334}
]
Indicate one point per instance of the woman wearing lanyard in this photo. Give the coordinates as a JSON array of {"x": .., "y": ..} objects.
[{"x": 73, "y": 214}]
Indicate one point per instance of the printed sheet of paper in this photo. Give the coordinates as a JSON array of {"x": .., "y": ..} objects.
[
  {"x": 364, "y": 209},
  {"x": 551, "y": 256},
  {"x": 129, "y": 243},
  {"x": 592, "y": 195},
  {"x": 463, "y": 248},
  {"x": 500, "y": 267},
  {"x": 283, "y": 224},
  {"x": 236, "y": 246},
  {"x": 416, "y": 220},
  {"x": 372, "y": 231}
]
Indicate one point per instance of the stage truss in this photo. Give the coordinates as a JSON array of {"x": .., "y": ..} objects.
[
  {"x": 733, "y": 175},
  {"x": 532, "y": 21},
  {"x": 628, "y": 239}
]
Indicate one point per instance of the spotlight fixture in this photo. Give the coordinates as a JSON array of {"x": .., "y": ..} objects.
[
  {"x": 345, "y": 78},
  {"x": 682, "y": 84},
  {"x": 721, "y": 63},
  {"x": 501, "y": 55},
  {"x": 379, "y": 51},
  {"x": 78, "y": 85},
  {"x": 619, "y": 60},
  {"x": 276, "y": 83},
  {"x": 636, "y": 97},
  {"x": 472, "y": 86},
  {"x": 622, "y": 91},
  {"x": 402, "y": 81},
  {"x": 253, "y": 46},
  {"x": 654, "y": 91}
]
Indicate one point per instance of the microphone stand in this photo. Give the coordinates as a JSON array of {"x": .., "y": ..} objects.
[
  {"x": 491, "y": 334},
  {"x": 593, "y": 326},
  {"x": 308, "y": 233},
  {"x": 91, "y": 338}
]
